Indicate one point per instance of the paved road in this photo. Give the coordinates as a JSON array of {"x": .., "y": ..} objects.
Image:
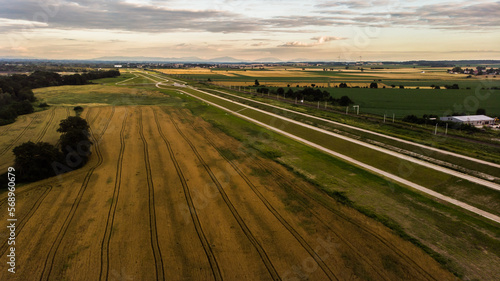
[
  {"x": 346, "y": 158},
  {"x": 470, "y": 178},
  {"x": 371, "y": 132}
]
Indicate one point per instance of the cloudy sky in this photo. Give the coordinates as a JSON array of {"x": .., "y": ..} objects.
[{"x": 346, "y": 30}]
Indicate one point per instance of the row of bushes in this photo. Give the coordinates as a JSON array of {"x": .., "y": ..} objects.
[{"x": 308, "y": 94}]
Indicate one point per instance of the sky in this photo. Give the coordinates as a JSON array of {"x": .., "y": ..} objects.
[{"x": 342, "y": 30}]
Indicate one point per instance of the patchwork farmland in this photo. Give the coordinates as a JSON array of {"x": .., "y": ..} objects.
[{"x": 177, "y": 189}]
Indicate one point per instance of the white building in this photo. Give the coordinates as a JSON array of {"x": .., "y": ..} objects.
[{"x": 474, "y": 120}]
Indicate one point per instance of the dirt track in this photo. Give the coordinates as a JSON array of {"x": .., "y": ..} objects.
[{"x": 166, "y": 196}]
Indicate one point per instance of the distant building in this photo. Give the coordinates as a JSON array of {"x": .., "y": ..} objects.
[
  {"x": 118, "y": 65},
  {"x": 474, "y": 120}
]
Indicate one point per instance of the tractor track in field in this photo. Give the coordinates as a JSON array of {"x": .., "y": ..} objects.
[
  {"x": 104, "y": 269},
  {"x": 194, "y": 216},
  {"x": 27, "y": 217},
  {"x": 291, "y": 184},
  {"x": 47, "y": 124},
  {"x": 262, "y": 253},
  {"x": 245, "y": 178},
  {"x": 398, "y": 252},
  {"x": 160, "y": 274},
  {"x": 20, "y": 135},
  {"x": 49, "y": 261},
  {"x": 6, "y": 130},
  {"x": 292, "y": 231}
]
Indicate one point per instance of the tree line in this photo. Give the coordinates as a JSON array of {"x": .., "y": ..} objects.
[
  {"x": 308, "y": 94},
  {"x": 16, "y": 93}
]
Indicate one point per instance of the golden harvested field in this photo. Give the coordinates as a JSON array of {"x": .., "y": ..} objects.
[
  {"x": 40, "y": 126},
  {"x": 166, "y": 196}
]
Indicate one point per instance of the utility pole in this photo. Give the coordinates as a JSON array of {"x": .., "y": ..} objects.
[
  {"x": 347, "y": 110},
  {"x": 384, "y": 117},
  {"x": 436, "y": 130},
  {"x": 318, "y": 104},
  {"x": 393, "y": 116},
  {"x": 446, "y": 131}
]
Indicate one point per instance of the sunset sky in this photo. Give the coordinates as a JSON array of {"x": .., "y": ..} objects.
[{"x": 253, "y": 29}]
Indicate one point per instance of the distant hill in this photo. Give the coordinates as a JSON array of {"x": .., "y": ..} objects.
[
  {"x": 226, "y": 59},
  {"x": 149, "y": 59},
  {"x": 269, "y": 59}
]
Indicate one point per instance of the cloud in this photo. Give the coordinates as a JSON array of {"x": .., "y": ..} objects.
[
  {"x": 117, "y": 15},
  {"x": 148, "y": 17},
  {"x": 356, "y": 4},
  {"x": 319, "y": 41},
  {"x": 460, "y": 15}
]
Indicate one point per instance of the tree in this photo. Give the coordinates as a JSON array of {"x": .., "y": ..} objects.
[
  {"x": 8, "y": 114},
  {"x": 34, "y": 160},
  {"x": 280, "y": 91},
  {"x": 75, "y": 141},
  {"x": 481, "y": 111},
  {"x": 23, "y": 107},
  {"x": 73, "y": 123},
  {"x": 257, "y": 82},
  {"x": 373, "y": 85},
  {"x": 345, "y": 101}
]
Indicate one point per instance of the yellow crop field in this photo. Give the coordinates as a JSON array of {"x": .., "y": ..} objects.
[{"x": 166, "y": 196}]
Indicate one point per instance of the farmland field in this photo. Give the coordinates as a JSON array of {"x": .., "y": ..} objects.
[
  {"x": 166, "y": 197},
  {"x": 474, "y": 92},
  {"x": 35, "y": 127},
  {"x": 178, "y": 190}
]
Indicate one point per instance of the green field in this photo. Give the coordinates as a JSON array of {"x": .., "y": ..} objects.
[{"x": 404, "y": 102}]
